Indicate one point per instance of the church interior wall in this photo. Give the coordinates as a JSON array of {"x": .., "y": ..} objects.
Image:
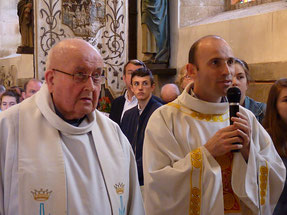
[
  {"x": 174, "y": 26},
  {"x": 15, "y": 69},
  {"x": 139, "y": 32},
  {"x": 107, "y": 24},
  {"x": 256, "y": 34},
  {"x": 9, "y": 32},
  {"x": 193, "y": 10},
  {"x": 258, "y": 38}
]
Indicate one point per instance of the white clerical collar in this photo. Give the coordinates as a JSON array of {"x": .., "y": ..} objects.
[
  {"x": 192, "y": 93},
  {"x": 223, "y": 98},
  {"x": 186, "y": 99},
  {"x": 46, "y": 106}
]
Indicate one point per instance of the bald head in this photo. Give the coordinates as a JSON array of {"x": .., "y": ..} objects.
[
  {"x": 169, "y": 92},
  {"x": 31, "y": 87},
  {"x": 192, "y": 58},
  {"x": 67, "y": 52}
]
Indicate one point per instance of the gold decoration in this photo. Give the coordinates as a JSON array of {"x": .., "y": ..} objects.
[
  {"x": 224, "y": 161},
  {"x": 195, "y": 201},
  {"x": 229, "y": 201},
  {"x": 195, "y": 193},
  {"x": 41, "y": 195},
  {"x": 196, "y": 158},
  {"x": 200, "y": 116},
  {"x": 263, "y": 177},
  {"x": 120, "y": 188}
]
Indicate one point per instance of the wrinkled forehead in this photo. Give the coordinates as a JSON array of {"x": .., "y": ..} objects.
[
  {"x": 90, "y": 60},
  {"x": 76, "y": 55}
]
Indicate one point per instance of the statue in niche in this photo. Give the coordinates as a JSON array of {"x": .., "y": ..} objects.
[
  {"x": 25, "y": 13},
  {"x": 155, "y": 31}
]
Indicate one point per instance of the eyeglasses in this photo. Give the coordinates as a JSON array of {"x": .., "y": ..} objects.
[{"x": 81, "y": 77}]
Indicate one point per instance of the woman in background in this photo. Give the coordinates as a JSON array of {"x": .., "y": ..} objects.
[
  {"x": 241, "y": 80},
  {"x": 275, "y": 122},
  {"x": 8, "y": 99},
  {"x": 182, "y": 79}
]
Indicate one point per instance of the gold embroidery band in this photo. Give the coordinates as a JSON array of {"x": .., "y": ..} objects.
[
  {"x": 263, "y": 177},
  {"x": 231, "y": 201},
  {"x": 195, "y": 182},
  {"x": 200, "y": 116}
]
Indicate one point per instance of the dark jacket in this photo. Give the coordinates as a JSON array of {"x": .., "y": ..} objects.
[
  {"x": 117, "y": 109},
  {"x": 281, "y": 207},
  {"x": 257, "y": 108},
  {"x": 133, "y": 126}
]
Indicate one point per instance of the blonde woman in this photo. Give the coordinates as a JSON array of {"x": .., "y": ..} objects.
[{"x": 182, "y": 79}]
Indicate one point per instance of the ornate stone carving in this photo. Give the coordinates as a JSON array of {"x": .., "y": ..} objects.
[{"x": 84, "y": 17}]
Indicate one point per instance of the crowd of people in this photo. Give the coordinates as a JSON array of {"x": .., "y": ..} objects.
[
  {"x": 173, "y": 155},
  {"x": 15, "y": 94}
]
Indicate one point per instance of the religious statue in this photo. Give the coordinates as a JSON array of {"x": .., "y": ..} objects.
[
  {"x": 25, "y": 13},
  {"x": 155, "y": 31}
]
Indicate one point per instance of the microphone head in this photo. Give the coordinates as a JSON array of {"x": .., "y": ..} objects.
[{"x": 233, "y": 95}]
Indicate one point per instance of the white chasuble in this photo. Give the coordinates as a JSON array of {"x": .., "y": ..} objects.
[
  {"x": 182, "y": 177},
  {"x": 51, "y": 167}
]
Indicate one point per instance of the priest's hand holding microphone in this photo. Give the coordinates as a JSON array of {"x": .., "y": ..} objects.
[{"x": 236, "y": 136}]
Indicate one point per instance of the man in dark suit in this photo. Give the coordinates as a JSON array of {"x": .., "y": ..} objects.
[
  {"x": 135, "y": 120},
  {"x": 128, "y": 100}
]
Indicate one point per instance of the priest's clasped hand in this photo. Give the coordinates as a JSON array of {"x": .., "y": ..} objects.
[{"x": 223, "y": 140}]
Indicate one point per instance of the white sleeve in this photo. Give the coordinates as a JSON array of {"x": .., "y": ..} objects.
[
  {"x": 259, "y": 183},
  {"x": 8, "y": 163}
]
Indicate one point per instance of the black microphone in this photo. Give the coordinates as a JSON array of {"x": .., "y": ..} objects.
[{"x": 233, "y": 96}]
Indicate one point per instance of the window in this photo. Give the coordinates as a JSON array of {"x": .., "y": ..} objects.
[
  {"x": 233, "y": 2},
  {"x": 238, "y": 4}
]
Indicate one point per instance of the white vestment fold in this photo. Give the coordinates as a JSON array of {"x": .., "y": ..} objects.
[
  {"x": 34, "y": 165},
  {"x": 182, "y": 177}
]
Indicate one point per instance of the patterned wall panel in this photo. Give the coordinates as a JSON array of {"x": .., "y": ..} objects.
[{"x": 103, "y": 23}]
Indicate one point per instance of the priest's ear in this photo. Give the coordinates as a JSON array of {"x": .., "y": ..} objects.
[
  {"x": 49, "y": 78},
  {"x": 191, "y": 70}
]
